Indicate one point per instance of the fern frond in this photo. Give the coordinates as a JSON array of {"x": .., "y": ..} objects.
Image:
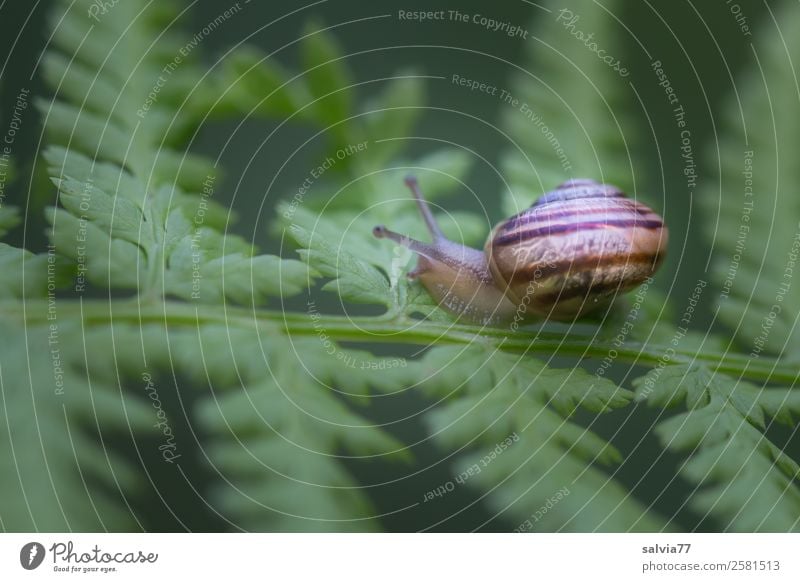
[
  {"x": 742, "y": 478},
  {"x": 342, "y": 247},
  {"x": 328, "y": 78},
  {"x": 258, "y": 85},
  {"x": 125, "y": 213},
  {"x": 278, "y": 403},
  {"x": 522, "y": 398},
  {"x": 161, "y": 244},
  {"x": 54, "y": 426},
  {"x": 121, "y": 90},
  {"x": 751, "y": 201},
  {"x": 27, "y": 274},
  {"x": 275, "y": 429}
]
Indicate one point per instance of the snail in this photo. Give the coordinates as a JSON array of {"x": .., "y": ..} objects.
[{"x": 570, "y": 253}]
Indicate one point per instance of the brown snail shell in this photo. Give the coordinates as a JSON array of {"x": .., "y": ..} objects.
[{"x": 576, "y": 248}]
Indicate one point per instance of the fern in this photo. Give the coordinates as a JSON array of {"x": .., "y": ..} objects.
[
  {"x": 175, "y": 239},
  {"x": 742, "y": 478},
  {"x": 756, "y": 233},
  {"x": 340, "y": 247},
  {"x": 141, "y": 331},
  {"x": 274, "y": 426},
  {"x": 508, "y": 395},
  {"x": 55, "y": 426},
  {"x": 127, "y": 222}
]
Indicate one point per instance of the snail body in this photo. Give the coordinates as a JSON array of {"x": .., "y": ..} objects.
[{"x": 570, "y": 253}]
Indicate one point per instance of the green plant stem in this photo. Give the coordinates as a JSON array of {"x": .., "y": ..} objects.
[{"x": 398, "y": 331}]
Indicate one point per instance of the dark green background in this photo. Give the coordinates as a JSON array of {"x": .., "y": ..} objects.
[{"x": 699, "y": 43}]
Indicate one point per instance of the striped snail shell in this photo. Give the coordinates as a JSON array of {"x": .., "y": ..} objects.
[{"x": 571, "y": 252}]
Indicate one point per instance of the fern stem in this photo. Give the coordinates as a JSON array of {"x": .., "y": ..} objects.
[{"x": 405, "y": 331}]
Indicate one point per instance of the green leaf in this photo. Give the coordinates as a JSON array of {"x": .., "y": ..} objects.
[
  {"x": 327, "y": 75},
  {"x": 157, "y": 243},
  {"x": 354, "y": 279},
  {"x": 26, "y": 274},
  {"x": 749, "y": 204},
  {"x": 744, "y": 480},
  {"x": 363, "y": 269},
  {"x": 122, "y": 86},
  {"x": 278, "y": 430},
  {"x": 384, "y": 192},
  {"x": 511, "y": 413},
  {"x": 391, "y": 115},
  {"x": 256, "y": 83},
  {"x": 99, "y": 258},
  {"x": 138, "y": 214},
  {"x": 48, "y": 450}
]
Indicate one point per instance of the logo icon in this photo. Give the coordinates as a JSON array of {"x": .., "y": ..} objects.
[{"x": 31, "y": 555}]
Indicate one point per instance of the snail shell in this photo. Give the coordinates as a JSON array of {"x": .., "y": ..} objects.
[{"x": 575, "y": 248}]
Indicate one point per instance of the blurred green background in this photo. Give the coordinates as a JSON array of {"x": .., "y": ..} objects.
[{"x": 700, "y": 44}]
